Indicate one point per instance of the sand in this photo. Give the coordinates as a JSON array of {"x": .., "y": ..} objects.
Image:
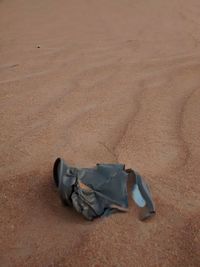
[{"x": 99, "y": 81}]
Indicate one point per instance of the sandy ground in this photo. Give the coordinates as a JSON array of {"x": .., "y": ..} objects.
[{"x": 99, "y": 81}]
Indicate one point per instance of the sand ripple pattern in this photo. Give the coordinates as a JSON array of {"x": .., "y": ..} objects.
[{"x": 111, "y": 81}]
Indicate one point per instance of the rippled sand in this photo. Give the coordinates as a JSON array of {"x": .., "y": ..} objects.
[{"x": 99, "y": 81}]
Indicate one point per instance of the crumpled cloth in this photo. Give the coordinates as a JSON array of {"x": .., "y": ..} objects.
[{"x": 93, "y": 192}]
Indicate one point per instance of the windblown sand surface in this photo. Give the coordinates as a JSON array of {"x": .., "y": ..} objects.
[{"x": 99, "y": 81}]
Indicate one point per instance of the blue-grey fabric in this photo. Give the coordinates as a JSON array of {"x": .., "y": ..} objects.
[{"x": 100, "y": 191}]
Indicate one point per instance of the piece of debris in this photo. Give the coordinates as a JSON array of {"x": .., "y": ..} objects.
[
  {"x": 102, "y": 190},
  {"x": 14, "y": 65}
]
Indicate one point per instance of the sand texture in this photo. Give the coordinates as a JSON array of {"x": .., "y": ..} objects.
[{"x": 99, "y": 81}]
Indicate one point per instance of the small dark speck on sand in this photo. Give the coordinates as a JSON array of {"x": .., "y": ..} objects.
[{"x": 15, "y": 65}]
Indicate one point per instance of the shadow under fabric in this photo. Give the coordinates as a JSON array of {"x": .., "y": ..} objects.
[{"x": 102, "y": 190}]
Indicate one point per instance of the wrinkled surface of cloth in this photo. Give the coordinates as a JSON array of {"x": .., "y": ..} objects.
[{"x": 100, "y": 191}]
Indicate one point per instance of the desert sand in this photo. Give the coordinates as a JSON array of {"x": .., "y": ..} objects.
[{"x": 99, "y": 81}]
